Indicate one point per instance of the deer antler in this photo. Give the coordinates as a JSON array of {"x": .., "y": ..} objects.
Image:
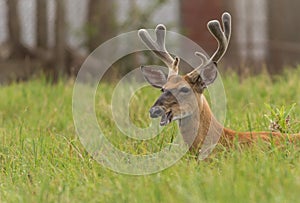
[
  {"x": 222, "y": 37},
  {"x": 159, "y": 49}
]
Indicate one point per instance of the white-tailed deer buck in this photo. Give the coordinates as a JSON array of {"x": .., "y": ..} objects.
[{"x": 182, "y": 97}]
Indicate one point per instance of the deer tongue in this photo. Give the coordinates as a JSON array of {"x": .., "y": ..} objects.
[{"x": 166, "y": 118}]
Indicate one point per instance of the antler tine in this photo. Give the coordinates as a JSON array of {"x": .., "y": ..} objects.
[
  {"x": 204, "y": 61},
  {"x": 202, "y": 57},
  {"x": 159, "y": 49},
  {"x": 226, "y": 19},
  {"x": 221, "y": 36},
  {"x": 215, "y": 29}
]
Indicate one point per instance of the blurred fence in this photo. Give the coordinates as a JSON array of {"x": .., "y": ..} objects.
[{"x": 265, "y": 32}]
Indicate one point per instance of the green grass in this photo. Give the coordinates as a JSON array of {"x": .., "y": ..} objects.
[{"x": 42, "y": 159}]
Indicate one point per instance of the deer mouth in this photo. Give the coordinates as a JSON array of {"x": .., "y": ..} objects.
[{"x": 166, "y": 118}]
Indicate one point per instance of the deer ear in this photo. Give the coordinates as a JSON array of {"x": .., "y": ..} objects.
[
  {"x": 155, "y": 75},
  {"x": 208, "y": 74}
]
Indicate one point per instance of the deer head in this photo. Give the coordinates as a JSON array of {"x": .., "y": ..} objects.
[{"x": 178, "y": 92}]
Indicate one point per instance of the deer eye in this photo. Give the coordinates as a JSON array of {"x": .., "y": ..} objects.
[
  {"x": 184, "y": 89},
  {"x": 162, "y": 89}
]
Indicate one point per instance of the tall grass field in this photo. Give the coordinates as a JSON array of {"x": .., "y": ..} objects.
[{"x": 42, "y": 159}]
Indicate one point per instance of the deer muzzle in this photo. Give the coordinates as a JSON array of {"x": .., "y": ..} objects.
[{"x": 156, "y": 111}]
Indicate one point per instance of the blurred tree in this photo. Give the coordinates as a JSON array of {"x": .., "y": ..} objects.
[
  {"x": 138, "y": 17},
  {"x": 41, "y": 24},
  {"x": 284, "y": 38},
  {"x": 101, "y": 22},
  {"x": 13, "y": 22},
  {"x": 14, "y": 30},
  {"x": 60, "y": 39}
]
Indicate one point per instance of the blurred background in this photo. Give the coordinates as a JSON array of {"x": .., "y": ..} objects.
[{"x": 54, "y": 37}]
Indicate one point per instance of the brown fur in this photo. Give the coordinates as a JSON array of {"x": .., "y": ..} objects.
[{"x": 228, "y": 136}]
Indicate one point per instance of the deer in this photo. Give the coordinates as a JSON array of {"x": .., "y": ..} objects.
[{"x": 182, "y": 97}]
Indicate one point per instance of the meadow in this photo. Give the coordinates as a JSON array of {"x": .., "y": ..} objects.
[{"x": 42, "y": 159}]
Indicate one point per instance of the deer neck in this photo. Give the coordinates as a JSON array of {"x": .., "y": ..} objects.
[
  {"x": 201, "y": 128},
  {"x": 196, "y": 127}
]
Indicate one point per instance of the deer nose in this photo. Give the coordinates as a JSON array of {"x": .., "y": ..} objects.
[{"x": 156, "y": 111}]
